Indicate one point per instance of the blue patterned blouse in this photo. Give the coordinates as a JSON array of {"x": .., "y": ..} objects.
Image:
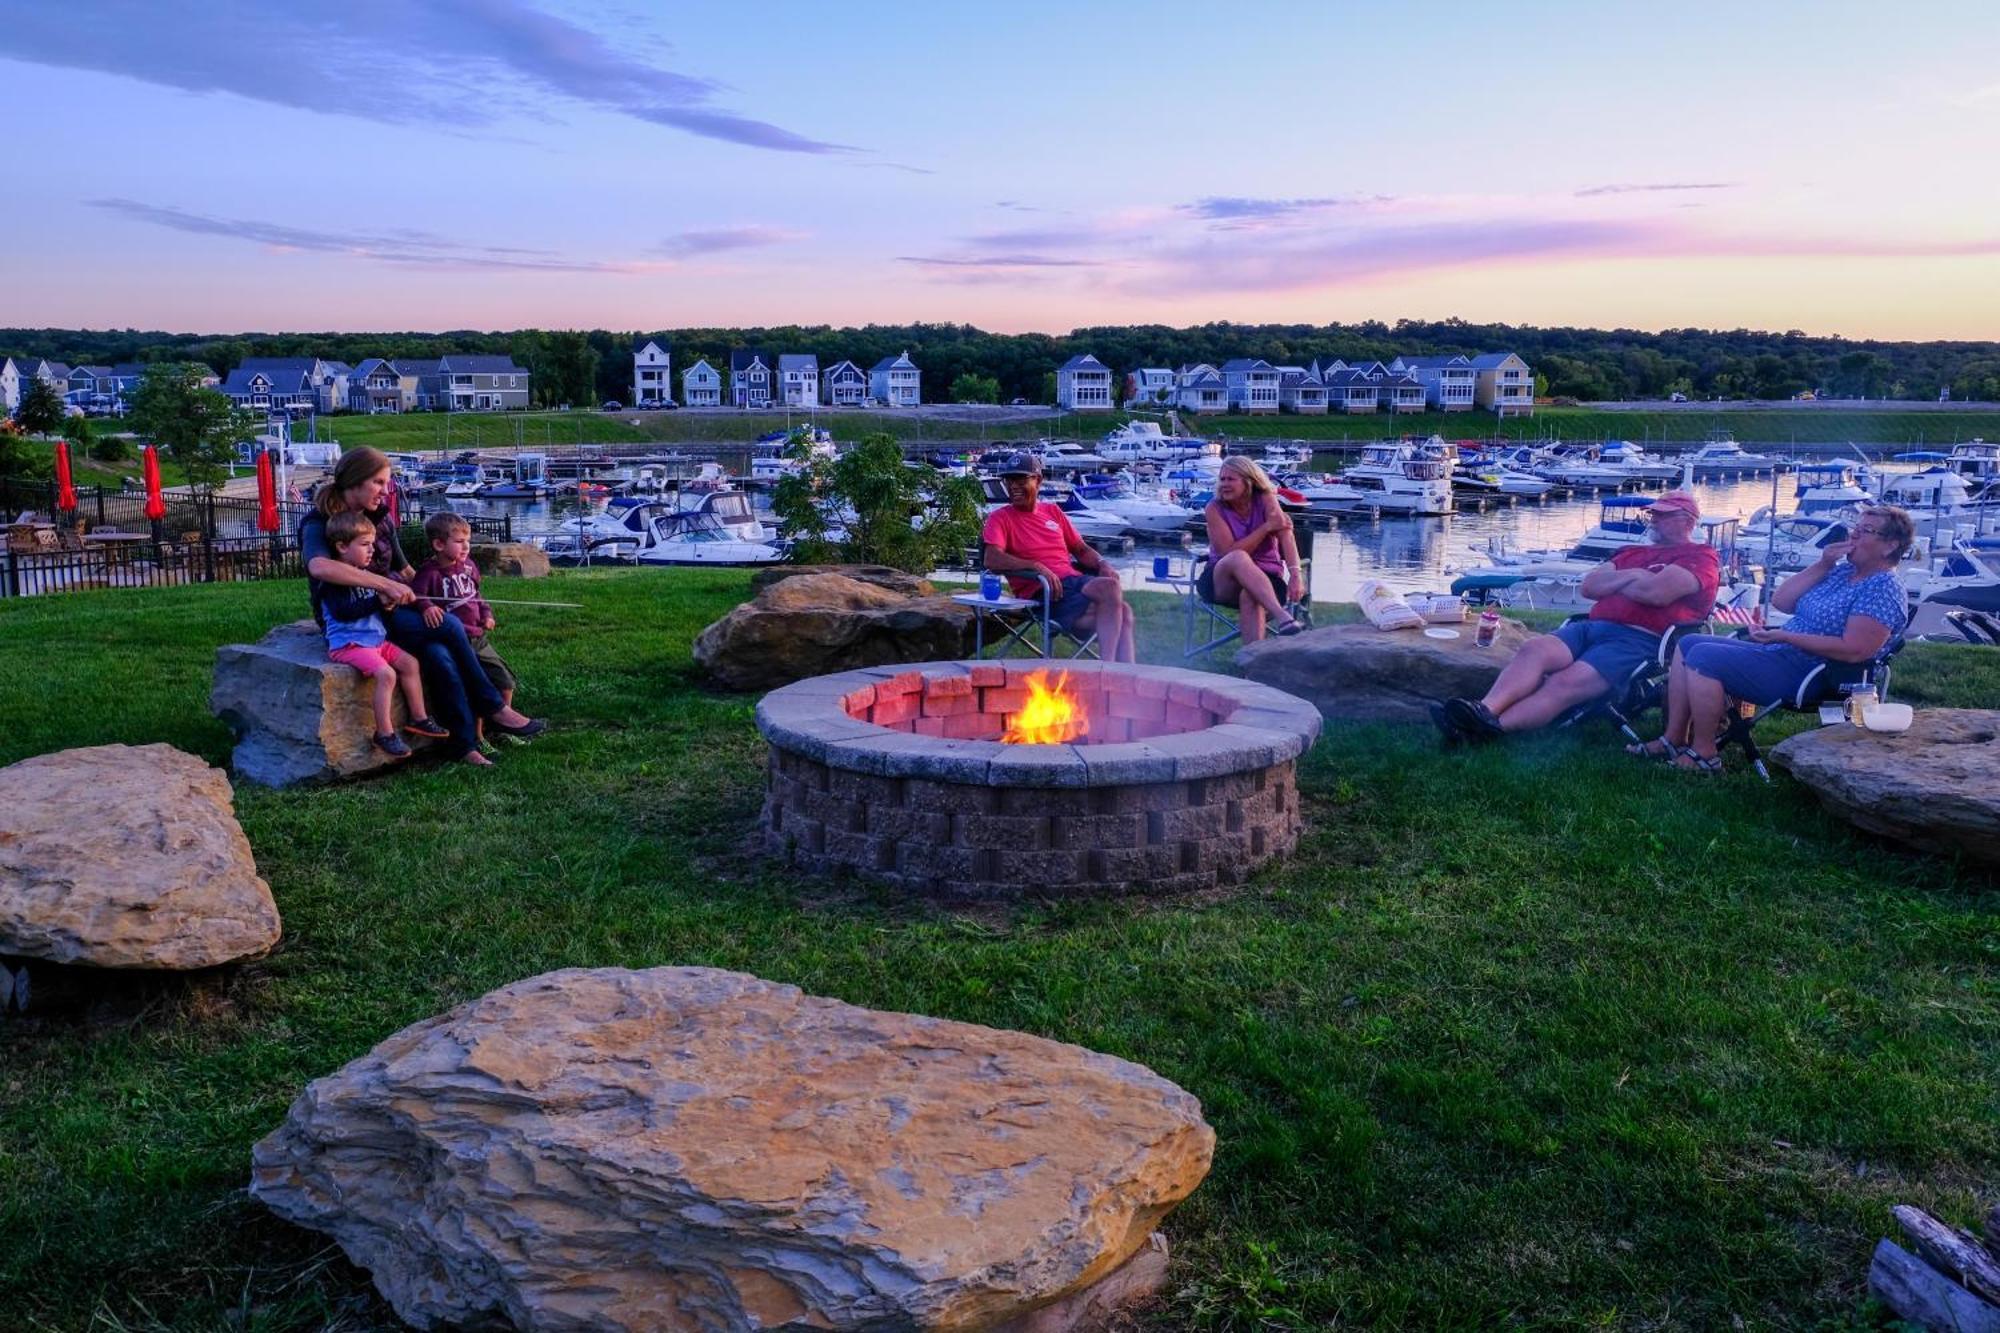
[{"x": 1825, "y": 607}]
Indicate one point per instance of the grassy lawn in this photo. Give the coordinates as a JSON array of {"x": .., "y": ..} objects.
[{"x": 1536, "y": 1035}]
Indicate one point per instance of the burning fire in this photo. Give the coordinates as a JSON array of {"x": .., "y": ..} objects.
[{"x": 1052, "y": 715}]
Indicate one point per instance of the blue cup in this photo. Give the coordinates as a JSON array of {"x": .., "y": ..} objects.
[
  {"x": 1160, "y": 566},
  {"x": 989, "y": 586}
]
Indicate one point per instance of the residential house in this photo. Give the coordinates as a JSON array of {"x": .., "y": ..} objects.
[
  {"x": 1397, "y": 390},
  {"x": 896, "y": 382},
  {"x": 1152, "y": 386},
  {"x": 1252, "y": 384},
  {"x": 275, "y": 384},
  {"x": 429, "y": 393},
  {"x": 1199, "y": 388},
  {"x": 1504, "y": 384},
  {"x": 17, "y": 373},
  {"x": 483, "y": 384},
  {"x": 652, "y": 374},
  {"x": 701, "y": 385},
  {"x": 1301, "y": 390},
  {"x": 1083, "y": 384},
  {"x": 752, "y": 378},
  {"x": 330, "y": 381},
  {"x": 798, "y": 379},
  {"x": 81, "y": 385},
  {"x": 844, "y": 385},
  {"x": 1350, "y": 391},
  {"x": 1448, "y": 381},
  {"x": 378, "y": 386}
]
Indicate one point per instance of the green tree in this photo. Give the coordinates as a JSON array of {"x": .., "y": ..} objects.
[
  {"x": 196, "y": 427},
  {"x": 972, "y": 388},
  {"x": 1048, "y": 394},
  {"x": 893, "y": 513},
  {"x": 41, "y": 411}
]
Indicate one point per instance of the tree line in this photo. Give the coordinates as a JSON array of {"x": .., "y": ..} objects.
[{"x": 586, "y": 366}]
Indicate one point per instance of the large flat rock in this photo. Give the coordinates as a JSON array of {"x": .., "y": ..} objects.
[
  {"x": 813, "y": 624},
  {"x": 1935, "y": 786},
  {"x": 298, "y": 717},
  {"x": 686, "y": 1148},
  {"x": 127, "y": 856},
  {"x": 1357, "y": 673}
]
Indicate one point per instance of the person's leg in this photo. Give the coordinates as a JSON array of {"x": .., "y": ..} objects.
[
  {"x": 408, "y": 630},
  {"x": 1107, "y": 601},
  {"x": 384, "y": 678},
  {"x": 1251, "y": 593},
  {"x": 1706, "y": 701},
  {"x": 447, "y": 695},
  {"x": 411, "y": 678},
  {"x": 1539, "y": 658},
  {"x": 1129, "y": 645},
  {"x": 1561, "y": 691}
]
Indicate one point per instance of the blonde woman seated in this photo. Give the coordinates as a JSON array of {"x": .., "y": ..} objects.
[{"x": 1253, "y": 557}]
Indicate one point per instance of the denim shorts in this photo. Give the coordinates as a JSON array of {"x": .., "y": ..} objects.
[
  {"x": 1761, "y": 673},
  {"x": 1067, "y": 604},
  {"x": 1612, "y": 650}
]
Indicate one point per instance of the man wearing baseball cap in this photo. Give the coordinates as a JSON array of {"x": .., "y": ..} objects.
[
  {"x": 1029, "y": 541},
  {"x": 1640, "y": 592}
]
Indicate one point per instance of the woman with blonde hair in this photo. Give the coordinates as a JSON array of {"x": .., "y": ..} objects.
[
  {"x": 1253, "y": 556},
  {"x": 454, "y": 681}
]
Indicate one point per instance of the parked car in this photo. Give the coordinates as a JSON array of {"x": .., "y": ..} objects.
[
  {"x": 1020, "y": 402},
  {"x": 612, "y": 405}
]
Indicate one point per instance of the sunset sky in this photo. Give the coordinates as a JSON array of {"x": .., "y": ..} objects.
[{"x": 433, "y": 164}]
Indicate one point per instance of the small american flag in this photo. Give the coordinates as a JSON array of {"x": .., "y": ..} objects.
[{"x": 1737, "y": 615}]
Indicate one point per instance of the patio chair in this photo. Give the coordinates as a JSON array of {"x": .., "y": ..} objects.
[
  {"x": 1643, "y": 689},
  {"x": 1827, "y": 683},
  {"x": 1206, "y": 626},
  {"x": 1024, "y": 624}
]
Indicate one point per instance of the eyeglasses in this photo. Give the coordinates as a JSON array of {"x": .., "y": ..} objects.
[{"x": 1871, "y": 532}]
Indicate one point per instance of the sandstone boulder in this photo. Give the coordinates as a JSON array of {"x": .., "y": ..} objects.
[
  {"x": 518, "y": 560},
  {"x": 882, "y": 576},
  {"x": 1357, "y": 673},
  {"x": 1935, "y": 786},
  {"x": 298, "y": 717},
  {"x": 817, "y": 623},
  {"x": 127, "y": 856},
  {"x": 687, "y": 1148}
]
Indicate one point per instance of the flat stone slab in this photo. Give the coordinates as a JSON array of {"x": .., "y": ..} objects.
[
  {"x": 1935, "y": 787},
  {"x": 298, "y": 718},
  {"x": 687, "y": 1148},
  {"x": 127, "y": 856},
  {"x": 1357, "y": 673}
]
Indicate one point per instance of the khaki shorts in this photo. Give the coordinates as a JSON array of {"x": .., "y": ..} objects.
[{"x": 497, "y": 669}]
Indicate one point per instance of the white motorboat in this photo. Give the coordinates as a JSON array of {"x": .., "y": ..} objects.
[
  {"x": 1404, "y": 476},
  {"x": 1723, "y": 455},
  {"x": 1091, "y": 522},
  {"x": 1938, "y": 489},
  {"x": 1579, "y": 465},
  {"x": 1144, "y": 441},
  {"x": 1496, "y": 478},
  {"x": 1144, "y": 515},
  {"x": 1279, "y": 454},
  {"x": 1636, "y": 462},
  {"x": 697, "y": 539},
  {"x": 1965, "y": 579},
  {"x": 1552, "y": 577}
]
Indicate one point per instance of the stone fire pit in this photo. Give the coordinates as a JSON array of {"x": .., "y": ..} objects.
[{"x": 1182, "y": 781}]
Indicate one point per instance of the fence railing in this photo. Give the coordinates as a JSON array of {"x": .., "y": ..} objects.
[{"x": 147, "y": 564}]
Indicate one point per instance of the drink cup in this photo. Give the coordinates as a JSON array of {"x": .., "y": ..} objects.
[
  {"x": 989, "y": 586},
  {"x": 1159, "y": 566}
]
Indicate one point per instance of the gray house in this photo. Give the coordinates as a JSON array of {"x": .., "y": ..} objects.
[
  {"x": 895, "y": 381},
  {"x": 483, "y": 384},
  {"x": 275, "y": 383},
  {"x": 753, "y": 376},
  {"x": 843, "y": 384}
]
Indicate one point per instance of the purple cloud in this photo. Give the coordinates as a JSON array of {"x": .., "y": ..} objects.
[
  {"x": 715, "y": 240},
  {"x": 996, "y": 261},
  {"x": 1236, "y": 213},
  {"x": 1668, "y": 187},
  {"x": 456, "y": 63}
]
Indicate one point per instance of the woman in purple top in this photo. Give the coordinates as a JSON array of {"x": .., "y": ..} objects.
[{"x": 1253, "y": 558}]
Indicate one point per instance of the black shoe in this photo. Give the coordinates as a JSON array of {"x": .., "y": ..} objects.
[
  {"x": 534, "y": 726},
  {"x": 1288, "y": 629},
  {"x": 1448, "y": 730},
  {"x": 428, "y": 727},
  {"x": 393, "y": 746},
  {"x": 1473, "y": 719}
]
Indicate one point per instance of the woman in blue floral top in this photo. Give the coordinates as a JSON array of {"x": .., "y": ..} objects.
[{"x": 1844, "y": 608}]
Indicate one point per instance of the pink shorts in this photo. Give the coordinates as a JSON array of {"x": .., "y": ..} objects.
[{"x": 367, "y": 660}]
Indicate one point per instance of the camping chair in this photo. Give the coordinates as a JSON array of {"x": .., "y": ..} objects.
[
  {"x": 1021, "y": 625},
  {"x": 1206, "y": 626},
  {"x": 1643, "y": 690},
  {"x": 1823, "y": 684},
  {"x": 1975, "y": 626}
]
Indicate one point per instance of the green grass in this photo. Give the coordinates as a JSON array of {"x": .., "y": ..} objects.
[{"x": 1536, "y": 1035}]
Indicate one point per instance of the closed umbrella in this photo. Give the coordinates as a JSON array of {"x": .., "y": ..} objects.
[
  {"x": 156, "y": 503},
  {"x": 65, "y": 486},
  {"x": 267, "y": 494}
]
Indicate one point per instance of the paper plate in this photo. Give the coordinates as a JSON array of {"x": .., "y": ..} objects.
[{"x": 1440, "y": 632}]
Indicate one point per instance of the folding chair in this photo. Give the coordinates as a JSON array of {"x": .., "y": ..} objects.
[
  {"x": 1205, "y": 626},
  {"x": 1643, "y": 689},
  {"x": 1975, "y": 626},
  {"x": 1823, "y": 684},
  {"x": 1020, "y": 618}
]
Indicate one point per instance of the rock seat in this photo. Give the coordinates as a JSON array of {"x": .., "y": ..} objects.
[
  {"x": 298, "y": 717},
  {"x": 1357, "y": 673},
  {"x": 1935, "y": 787},
  {"x": 814, "y": 624},
  {"x": 687, "y": 1148},
  {"x": 127, "y": 856},
  {"x": 518, "y": 560}
]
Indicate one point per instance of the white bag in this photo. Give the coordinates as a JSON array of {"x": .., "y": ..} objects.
[
  {"x": 1440, "y": 610},
  {"x": 1385, "y": 608}
]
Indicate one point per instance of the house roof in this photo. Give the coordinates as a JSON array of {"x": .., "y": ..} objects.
[
  {"x": 899, "y": 361},
  {"x": 336, "y": 367},
  {"x": 1292, "y": 377},
  {"x": 742, "y": 357},
  {"x": 1084, "y": 362},
  {"x": 1344, "y": 379},
  {"x": 92, "y": 371},
  {"x": 644, "y": 343},
  {"x": 845, "y": 369},
  {"x": 1490, "y": 360},
  {"x": 1431, "y": 362},
  {"x": 417, "y": 366},
  {"x": 285, "y": 374},
  {"x": 701, "y": 364},
  {"x": 1192, "y": 376},
  {"x": 367, "y": 368},
  {"x": 478, "y": 365},
  {"x": 798, "y": 361},
  {"x": 1244, "y": 364}
]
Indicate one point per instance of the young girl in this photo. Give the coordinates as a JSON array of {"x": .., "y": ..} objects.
[{"x": 356, "y": 637}]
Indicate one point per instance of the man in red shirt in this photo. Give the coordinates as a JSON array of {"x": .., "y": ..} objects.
[
  {"x": 1640, "y": 592},
  {"x": 1030, "y": 541}
]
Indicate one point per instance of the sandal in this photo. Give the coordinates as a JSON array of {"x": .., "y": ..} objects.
[
  {"x": 1657, "y": 748},
  {"x": 1707, "y": 765},
  {"x": 1287, "y": 630}
]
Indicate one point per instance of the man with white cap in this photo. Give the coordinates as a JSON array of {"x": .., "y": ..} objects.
[
  {"x": 1640, "y": 592},
  {"x": 1031, "y": 541}
]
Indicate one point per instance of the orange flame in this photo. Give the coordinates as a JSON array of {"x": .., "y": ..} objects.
[{"x": 1052, "y": 715}]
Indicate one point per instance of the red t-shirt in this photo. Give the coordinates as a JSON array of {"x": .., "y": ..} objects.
[
  {"x": 1698, "y": 559},
  {"x": 1043, "y": 535}
]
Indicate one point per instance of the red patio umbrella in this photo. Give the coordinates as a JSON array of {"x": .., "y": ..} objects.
[
  {"x": 156, "y": 503},
  {"x": 65, "y": 487},
  {"x": 267, "y": 494}
]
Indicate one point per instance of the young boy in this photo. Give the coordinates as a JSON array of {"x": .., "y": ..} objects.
[
  {"x": 449, "y": 583},
  {"x": 356, "y": 637}
]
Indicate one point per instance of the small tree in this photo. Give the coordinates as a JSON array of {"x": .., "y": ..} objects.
[
  {"x": 197, "y": 427},
  {"x": 18, "y": 457},
  {"x": 971, "y": 388},
  {"x": 41, "y": 411},
  {"x": 910, "y": 517}
]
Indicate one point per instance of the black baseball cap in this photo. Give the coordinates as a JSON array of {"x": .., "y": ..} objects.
[{"x": 1023, "y": 464}]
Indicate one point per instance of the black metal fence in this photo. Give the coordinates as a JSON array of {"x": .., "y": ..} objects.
[{"x": 147, "y": 564}]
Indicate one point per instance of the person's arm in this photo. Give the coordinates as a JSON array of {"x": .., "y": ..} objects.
[
  {"x": 1221, "y": 541},
  {"x": 1295, "y": 570},
  {"x": 1002, "y": 561},
  {"x": 427, "y": 587},
  {"x": 1607, "y": 579},
  {"x": 1787, "y": 594},
  {"x": 321, "y": 564},
  {"x": 1081, "y": 553},
  {"x": 1858, "y": 641},
  {"x": 1663, "y": 586}
]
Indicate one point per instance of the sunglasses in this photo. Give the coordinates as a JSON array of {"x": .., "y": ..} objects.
[{"x": 1871, "y": 532}]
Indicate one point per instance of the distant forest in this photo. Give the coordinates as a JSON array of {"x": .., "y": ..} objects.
[{"x": 1585, "y": 364}]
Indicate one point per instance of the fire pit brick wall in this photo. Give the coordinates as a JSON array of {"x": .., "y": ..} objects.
[{"x": 857, "y": 783}]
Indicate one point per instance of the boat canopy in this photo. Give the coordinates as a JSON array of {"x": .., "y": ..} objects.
[{"x": 1922, "y": 456}]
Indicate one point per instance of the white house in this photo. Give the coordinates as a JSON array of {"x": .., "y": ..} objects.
[
  {"x": 1151, "y": 386},
  {"x": 1449, "y": 381},
  {"x": 701, "y": 385},
  {"x": 752, "y": 378},
  {"x": 1301, "y": 390},
  {"x": 843, "y": 385},
  {"x": 798, "y": 379},
  {"x": 1083, "y": 384},
  {"x": 652, "y": 374},
  {"x": 1504, "y": 384},
  {"x": 17, "y": 374},
  {"x": 1199, "y": 388},
  {"x": 896, "y": 382},
  {"x": 1252, "y": 384}
]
